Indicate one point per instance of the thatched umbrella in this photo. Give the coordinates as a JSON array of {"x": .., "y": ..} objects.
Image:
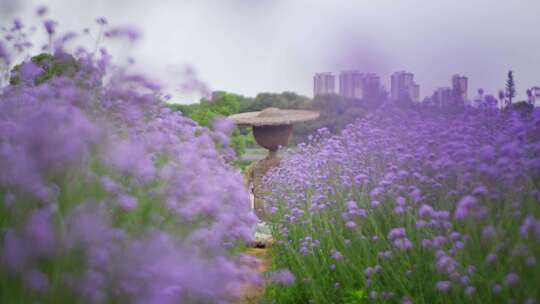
[{"x": 272, "y": 128}]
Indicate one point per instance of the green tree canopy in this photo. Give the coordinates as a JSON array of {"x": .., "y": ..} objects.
[
  {"x": 61, "y": 64},
  {"x": 285, "y": 100},
  {"x": 222, "y": 104},
  {"x": 335, "y": 111}
]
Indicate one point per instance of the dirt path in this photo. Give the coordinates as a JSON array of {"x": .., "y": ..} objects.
[{"x": 254, "y": 294}]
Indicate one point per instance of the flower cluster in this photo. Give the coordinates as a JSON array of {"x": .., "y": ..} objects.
[
  {"x": 108, "y": 196},
  {"x": 446, "y": 205}
]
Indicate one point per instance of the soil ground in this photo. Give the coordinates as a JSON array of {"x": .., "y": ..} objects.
[{"x": 254, "y": 294}]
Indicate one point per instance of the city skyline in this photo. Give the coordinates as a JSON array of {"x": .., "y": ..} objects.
[{"x": 353, "y": 83}]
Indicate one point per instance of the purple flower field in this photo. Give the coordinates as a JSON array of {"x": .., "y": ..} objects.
[{"x": 412, "y": 207}]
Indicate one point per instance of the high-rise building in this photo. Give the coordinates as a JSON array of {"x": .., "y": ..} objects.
[
  {"x": 402, "y": 86},
  {"x": 351, "y": 84},
  {"x": 324, "y": 83},
  {"x": 443, "y": 97},
  {"x": 460, "y": 86},
  {"x": 414, "y": 92},
  {"x": 536, "y": 91},
  {"x": 372, "y": 86},
  {"x": 534, "y": 95}
]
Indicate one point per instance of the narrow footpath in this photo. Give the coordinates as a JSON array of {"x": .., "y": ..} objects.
[{"x": 255, "y": 294}]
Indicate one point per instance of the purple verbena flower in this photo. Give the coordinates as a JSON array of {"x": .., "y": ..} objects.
[
  {"x": 512, "y": 279},
  {"x": 283, "y": 277},
  {"x": 396, "y": 233},
  {"x": 336, "y": 255},
  {"x": 50, "y": 26},
  {"x": 443, "y": 286}
]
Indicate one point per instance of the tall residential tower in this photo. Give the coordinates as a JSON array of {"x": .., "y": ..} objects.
[
  {"x": 372, "y": 86},
  {"x": 351, "y": 84},
  {"x": 460, "y": 86},
  {"x": 402, "y": 86},
  {"x": 324, "y": 83}
]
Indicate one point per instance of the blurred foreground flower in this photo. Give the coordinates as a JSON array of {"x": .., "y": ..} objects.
[{"x": 108, "y": 196}]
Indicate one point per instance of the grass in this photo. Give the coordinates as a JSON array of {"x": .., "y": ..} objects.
[
  {"x": 242, "y": 164},
  {"x": 410, "y": 273}
]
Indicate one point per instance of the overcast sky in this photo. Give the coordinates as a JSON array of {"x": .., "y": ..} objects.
[{"x": 252, "y": 46}]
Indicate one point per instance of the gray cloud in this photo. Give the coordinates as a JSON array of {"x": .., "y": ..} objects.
[{"x": 250, "y": 46}]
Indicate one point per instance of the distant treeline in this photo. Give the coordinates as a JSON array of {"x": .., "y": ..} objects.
[{"x": 336, "y": 112}]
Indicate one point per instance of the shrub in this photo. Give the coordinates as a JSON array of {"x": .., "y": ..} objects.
[{"x": 62, "y": 64}]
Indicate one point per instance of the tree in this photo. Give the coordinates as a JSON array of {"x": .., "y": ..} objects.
[
  {"x": 336, "y": 112},
  {"x": 285, "y": 100},
  {"x": 530, "y": 96},
  {"x": 222, "y": 104},
  {"x": 510, "y": 87},
  {"x": 522, "y": 107},
  {"x": 479, "y": 99},
  {"x": 490, "y": 101}
]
